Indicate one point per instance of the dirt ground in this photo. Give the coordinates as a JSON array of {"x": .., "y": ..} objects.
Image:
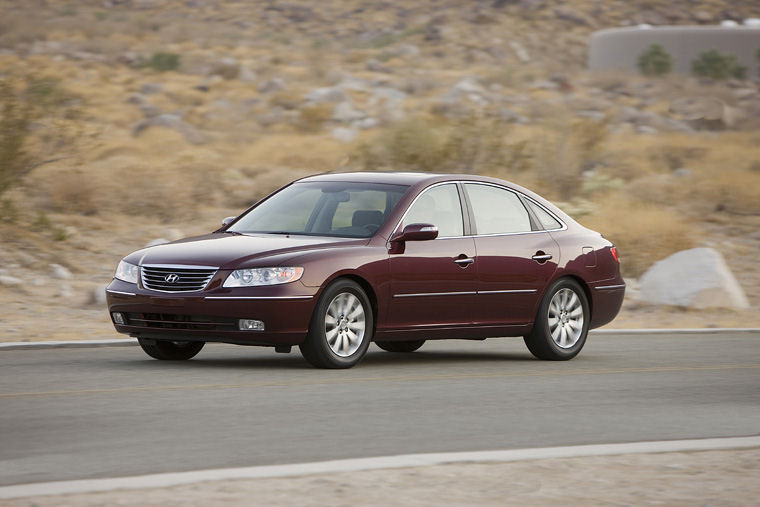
[{"x": 710, "y": 478}]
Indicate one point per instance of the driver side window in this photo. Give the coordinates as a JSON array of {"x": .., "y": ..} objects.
[{"x": 439, "y": 206}]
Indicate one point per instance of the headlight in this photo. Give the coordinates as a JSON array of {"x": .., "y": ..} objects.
[
  {"x": 127, "y": 272},
  {"x": 262, "y": 276}
]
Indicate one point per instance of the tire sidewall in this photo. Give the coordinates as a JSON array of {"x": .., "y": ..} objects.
[
  {"x": 543, "y": 322},
  {"x": 318, "y": 323}
]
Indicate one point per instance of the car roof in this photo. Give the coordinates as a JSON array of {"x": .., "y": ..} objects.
[{"x": 398, "y": 178}]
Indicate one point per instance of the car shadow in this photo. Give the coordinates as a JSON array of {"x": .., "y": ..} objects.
[{"x": 295, "y": 361}]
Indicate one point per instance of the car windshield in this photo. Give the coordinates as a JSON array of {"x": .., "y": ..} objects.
[{"x": 341, "y": 209}]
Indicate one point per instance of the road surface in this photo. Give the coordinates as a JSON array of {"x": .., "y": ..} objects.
[{"x": 106, "y": 412}]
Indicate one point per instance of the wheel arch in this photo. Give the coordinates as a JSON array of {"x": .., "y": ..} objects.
[
  {"x": 586, "y": 290},
  {"x": 365, "y": 285}
]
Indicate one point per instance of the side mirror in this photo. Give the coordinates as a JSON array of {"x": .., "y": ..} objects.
[
  {"x": 227, "y": 221},
  {"x": 417, "y": 232}
]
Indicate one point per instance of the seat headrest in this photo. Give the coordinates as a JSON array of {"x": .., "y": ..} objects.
[{"x": 364, "y": 217}]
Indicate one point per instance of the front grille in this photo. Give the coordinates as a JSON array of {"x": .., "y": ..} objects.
[
  {"x": 171, "y": 321},
  {"x": 176, "y": 279}
]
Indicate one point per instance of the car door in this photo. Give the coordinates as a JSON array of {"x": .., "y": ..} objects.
[
  {"x": 515, "y": 257},
  {"x": 433, "y": 282}
]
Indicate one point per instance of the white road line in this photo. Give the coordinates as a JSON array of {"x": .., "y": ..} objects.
[
  {"x": 121, "y": 342},
  {"x": 351, "y": 465}
]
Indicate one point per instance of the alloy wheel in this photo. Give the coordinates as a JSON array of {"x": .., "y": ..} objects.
[
  {"x": 565, "y": 318},
  {"x": 345, "y": 324}
]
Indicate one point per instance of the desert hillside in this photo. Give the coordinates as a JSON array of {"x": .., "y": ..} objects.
[{"x": 127, "y": 121}]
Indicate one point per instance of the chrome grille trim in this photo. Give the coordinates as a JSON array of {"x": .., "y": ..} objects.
[{"x": 190, "y": 278}]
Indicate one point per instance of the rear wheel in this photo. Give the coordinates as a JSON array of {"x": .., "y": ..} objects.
[
  {"x": 404, "y": 346},
  {"x": 561, "y": 325},
  {"x": 170, "y": 350},
  {"x": 341, "y": 327}
]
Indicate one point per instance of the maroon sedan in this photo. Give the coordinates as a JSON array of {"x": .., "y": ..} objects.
[{"x": 335, "y": 261}]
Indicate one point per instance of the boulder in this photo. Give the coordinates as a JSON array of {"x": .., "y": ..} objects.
[
  {"x": 273, "y": 85},
  {"x": 696, "y": 278},
  {"x": 344, "y": 135},
  {"x": 156, "y": 242},
  {"x": 60, "y": 272}
]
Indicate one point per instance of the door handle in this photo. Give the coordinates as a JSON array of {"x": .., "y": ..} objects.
[
  {"x": 541, "y": 257},
  {"x": 464, "y": 262}
]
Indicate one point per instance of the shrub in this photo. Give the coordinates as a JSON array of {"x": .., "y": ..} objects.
[
  {"x": 163, "y": 62},
  {"x": 15, "y": 123},
  {"x": 655, "y": 61},
  {"x": 312, "y": 118},
  {"x": 715, "y": 65}
]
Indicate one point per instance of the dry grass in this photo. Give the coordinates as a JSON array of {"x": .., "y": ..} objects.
[{"x": 643, "y": 233}]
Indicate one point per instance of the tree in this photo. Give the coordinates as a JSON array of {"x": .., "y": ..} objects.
[
  {"x": 716, "y": 65},
  {"x": 655, "y": 61}
]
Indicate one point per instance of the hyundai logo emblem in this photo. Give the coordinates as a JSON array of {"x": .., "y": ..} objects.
[{"x": 172, "y": 278}]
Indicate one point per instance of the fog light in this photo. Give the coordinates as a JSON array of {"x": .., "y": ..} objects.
[
  {"x": 250, "y": 325},
  {"x": 118, "y": 318}
]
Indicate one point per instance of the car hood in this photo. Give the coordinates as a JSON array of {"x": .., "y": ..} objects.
[{"x": 228, "y": 251}]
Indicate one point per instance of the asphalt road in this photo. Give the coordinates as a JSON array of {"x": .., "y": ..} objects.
[{"x": 105, "y": 412}]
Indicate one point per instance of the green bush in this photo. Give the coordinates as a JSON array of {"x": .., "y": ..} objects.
[
  {"x": 715, "y": 65},
  {"x": 655, "y": 61},
  {"x": 163, "y": 62},
  {"x": 15, "y": 122}
]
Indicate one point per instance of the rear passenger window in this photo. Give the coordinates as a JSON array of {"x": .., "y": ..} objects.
[
  {"x": 548, "y": 222},
  {"x": 497, "y": 211}
]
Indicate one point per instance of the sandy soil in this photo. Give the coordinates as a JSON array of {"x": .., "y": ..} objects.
[{"x": 712, "y": 478}]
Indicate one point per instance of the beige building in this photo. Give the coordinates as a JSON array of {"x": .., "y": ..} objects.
[{"x": 619, "y": 48}]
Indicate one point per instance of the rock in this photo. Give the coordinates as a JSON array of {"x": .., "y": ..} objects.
[
  {"x": 246, "y": 75},
  {"x": 174, "y": 234},
  {"x": 696, "y": 278},
  {"x": 65, "y": 291},
  {"x": 407, "y": 50},
  {"x": 703, "y": 17},
  {"x": 273, "y": 85},
  {"x": 326, "y": 94},
  {"x": 366, "y": 123},
  {"x": 174, "y": 122},
  {"x": 682, "y": 172},
  {"x": 343, "y": 134},
  {"x": 60, "y": 272},
  {"x": 569, "y": 14},
  {"x": 156, "y": 242},
  {"x": 10, "y": 281},
  {"x": 136, "y": 98},
  {"x": 345, "y": 111},
  {"x": 388, "y": 103},
  {"x": 149, "y": 110},
  {"x": 520, "y": 52},
  {"x": 97, "y": 296},
  {"x": 467, "y": 89},
  {"x": 151, "y": 88},
  {"x": 375, "y": 65},
  {"x": 646, "y": 129}
]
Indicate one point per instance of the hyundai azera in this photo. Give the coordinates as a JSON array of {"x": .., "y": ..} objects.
[{"x": 333, "y": 262}]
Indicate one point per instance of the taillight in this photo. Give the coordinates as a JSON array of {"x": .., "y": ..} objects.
[{"x": 615, "y": 254}]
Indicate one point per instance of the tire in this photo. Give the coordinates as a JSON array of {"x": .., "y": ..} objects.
[
  {"x": 341, "y": 327},
  {"x": 561, "y": 326},
  {"x": 170, "y": 350},
  {"x": 404, "y": 346}
]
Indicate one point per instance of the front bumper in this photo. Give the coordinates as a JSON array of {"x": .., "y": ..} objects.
[{"x": 213, "y": 315}]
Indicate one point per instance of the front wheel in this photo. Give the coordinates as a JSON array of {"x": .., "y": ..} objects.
[
  {"x": 169, "y": 350},
  {"x": 404, "y": 346},
  {"x": 561, "y": 325},
  {"x": 341, "y": 327}
]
